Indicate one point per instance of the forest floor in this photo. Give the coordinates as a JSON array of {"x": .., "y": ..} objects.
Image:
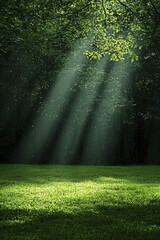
[{"x": 51, "y": 202}]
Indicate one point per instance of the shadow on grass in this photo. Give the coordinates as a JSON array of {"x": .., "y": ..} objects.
[{"x": 103, "y": 223}]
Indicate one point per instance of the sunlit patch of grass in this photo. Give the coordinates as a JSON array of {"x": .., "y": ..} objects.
[{"x": 79, "y": 202}]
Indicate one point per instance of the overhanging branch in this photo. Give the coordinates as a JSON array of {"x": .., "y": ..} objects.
[
  {"x": 140, "y": 18},
  {"x": 155, "y": 8}
]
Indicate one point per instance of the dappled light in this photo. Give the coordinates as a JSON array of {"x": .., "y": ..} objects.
[{"x": 54, "y": 199}]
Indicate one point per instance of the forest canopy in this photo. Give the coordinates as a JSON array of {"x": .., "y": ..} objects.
[{"x": 116, "y": 28}]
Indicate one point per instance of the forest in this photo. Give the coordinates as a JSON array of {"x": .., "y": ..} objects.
[
  {"x": 80, "y": 82},
  {"x": 80, "y": 120}
]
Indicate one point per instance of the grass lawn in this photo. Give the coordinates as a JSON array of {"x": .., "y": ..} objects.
[{"x": 79, "y": 202}]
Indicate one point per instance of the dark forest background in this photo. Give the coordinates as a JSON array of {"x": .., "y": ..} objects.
[{"x": 36, "y": 39}]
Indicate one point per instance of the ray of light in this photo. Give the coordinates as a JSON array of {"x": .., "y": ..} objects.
[
  {"x": 104, "y": 128},
  {"x": 80, "y": 115},
  {"x": 81, "y": 120},
  {"x": 45, "y": 124}
]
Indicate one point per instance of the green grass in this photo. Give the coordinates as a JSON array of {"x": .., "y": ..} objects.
[{"x": 79, "y": 202}]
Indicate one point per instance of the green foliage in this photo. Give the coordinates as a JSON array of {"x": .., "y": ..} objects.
[
  {"x": 120, "y": 29},
  {"x": 115, "y": 28}
]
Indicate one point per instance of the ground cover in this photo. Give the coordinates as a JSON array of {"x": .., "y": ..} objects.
[{"x": 51, "y": 202}]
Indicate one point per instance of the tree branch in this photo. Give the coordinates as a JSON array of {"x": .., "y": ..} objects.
[
  {"x": 104, "y": 10},
  {"x": 153, "y": 5},
  {"x": 139, "y": 18},
  {"x": 124, "y": 5}
]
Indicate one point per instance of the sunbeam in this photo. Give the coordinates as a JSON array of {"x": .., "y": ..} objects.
[
  {"x": 68, "y": 148},
  {"x": 104, "y": 131},
  {"x": 81, "y": 120},
  {"x": 45, "y": 124}
]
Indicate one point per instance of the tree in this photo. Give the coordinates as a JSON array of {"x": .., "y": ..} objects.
[{"x": 36, "y": 37}]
